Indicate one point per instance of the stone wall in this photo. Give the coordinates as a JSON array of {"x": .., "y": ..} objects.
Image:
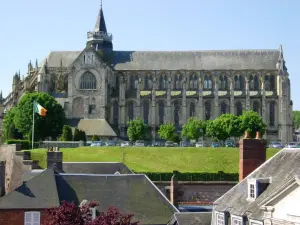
[
  {"x": 205, "y": 192},
  {"x": 14, "y": 166},
  {"x": 61, "y": 144}
]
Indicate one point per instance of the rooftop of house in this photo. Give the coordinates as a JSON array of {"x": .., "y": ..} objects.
[
  {"x": 86, "y": 168},
  {"x": 191, "y": 218},
  {"x": 272, "y": 177},
  {"x": 131, "y": 193}
]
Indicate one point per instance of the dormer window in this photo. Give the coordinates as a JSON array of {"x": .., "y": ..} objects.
[
  {"x": 221, "y": 219},
  {"x": 237, "y": 220},
  {"x": 257, "y": 186},
  {"x": 252, "y": 189}
]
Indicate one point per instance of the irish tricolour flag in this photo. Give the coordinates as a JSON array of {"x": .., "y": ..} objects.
[{"x": 37, "y": 108}]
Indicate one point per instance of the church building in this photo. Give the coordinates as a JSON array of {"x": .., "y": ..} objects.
[{"x": 102, "y": 89}]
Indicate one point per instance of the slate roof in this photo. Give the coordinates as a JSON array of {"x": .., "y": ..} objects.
[
  {"x": 131, "y": 193},
  {"x": 96, "y": 167},
  {"x": 100, "y": 23},
  {"x": 191, "y": 218},
  {"x": 281, "y": 168},
  {"x": 85, "y": 168},
  {"x": 98, "y": 127},
  {"x": 38, "y": 193},
  {"x": 177, "y": 60}
]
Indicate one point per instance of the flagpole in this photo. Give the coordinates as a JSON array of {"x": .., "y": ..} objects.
[{"x": 32, "y": 135}]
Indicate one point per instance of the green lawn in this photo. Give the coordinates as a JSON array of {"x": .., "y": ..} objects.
[{"x": 160, "y": 159}]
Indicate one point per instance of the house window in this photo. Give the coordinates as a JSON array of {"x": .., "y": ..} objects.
[
  {"x": 220, "y": 219},
  {"x": 88, "y": 81},
  {"x": 32, "y": 218},
  {"x": 235, "y": 220},
  {"x": 252, "y": 190},
  {"x": 92, "y": 109},
  {"x": 255, "y": 222}
]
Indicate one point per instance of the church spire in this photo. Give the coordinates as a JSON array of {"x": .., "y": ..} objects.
[
  {"x": 100, "y": 23},
  {"x": 282, "y": 69},
  {"x": 99, "y": 38}
]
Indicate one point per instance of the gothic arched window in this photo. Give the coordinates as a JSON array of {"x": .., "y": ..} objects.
[
  {"x": 239, "y": 109},
  {"x": 272, "y": 82},
  {"x": 267, "y": 83},
  {"x": 192, "y": 110},
  {"x": 146, "y": 83},
  {"x": 176, "y": 113},
  {"x": 256, "y": 107},
  {"x": 256, "y": 83},
  {"x": 195, "y": 82},
  {"x": 150, "y": 82},
  {"x": 223, "y": 108},
  {"x": 236, "y": 83},
  {"x": 251, "y": 82},
  {"x": 180, "y": 81},
  {"x": 207, "y": 112},
  {"x": 161, "y": 112},
  {"x": 272, "y": 114},
  {"x": 161, "y": 83},
  {"x": 146, "y": 111},
  {"x": 136, "y": 82},
  {"x": 241, "y": 78},
  {"x": 88, "y": 81},
  {"x": 224, "y": 83},
  {"x": 220, "y": 82},
  {"x": 115, "y": 113},
  {"x": 131, "y": 83},
  {"x": 176, "y": 82},
  {"x": 207, "y": 82},
  {"x": 165, "y": 82},
  {"x": 130, "y": 111},
  {"x": 191, "y": 86}
]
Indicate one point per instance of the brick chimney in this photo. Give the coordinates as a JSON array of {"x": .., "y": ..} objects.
[
  {"x": 55, "y": 158},
  {"x": 2, "y": 178},
  {"x": 252, "y": 154}
]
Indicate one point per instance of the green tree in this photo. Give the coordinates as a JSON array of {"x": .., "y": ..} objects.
[
  {"x": 166, "y": 131},
  {"x": 136, "y": 130},
  {"x": 76, "y": 136},
  {"x": 82, "y": 135},
  {"x": 8, "y": 126},
  {"x": 250, "y": 121},
  {"x": 224, "y": 127},
  {"x": 95, "y": 138},
  {"x": 67, "y": 133},
  {"x": 193, "y": 129},
  {"x": 49, "y": 126},
  {"x": 296, "y": 119}
]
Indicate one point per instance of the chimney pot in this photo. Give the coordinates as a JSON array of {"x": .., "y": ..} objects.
[
  {"x": 258, "y": 135},
  {"x": 247, "y": 135}
]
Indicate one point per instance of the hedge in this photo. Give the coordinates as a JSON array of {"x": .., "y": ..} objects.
[
  {"x": 200, "y": 176},
  {"x": 25, "y": 144}
]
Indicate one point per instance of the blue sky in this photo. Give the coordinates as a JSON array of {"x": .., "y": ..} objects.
[{"x": 31, "y": 29}]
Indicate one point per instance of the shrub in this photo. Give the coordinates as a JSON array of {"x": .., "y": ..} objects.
[
  {"x": 67, "y": 133},
  {"x": 25, "y": 144},
  {"x": 201, "y": 176},
  {"x": 95, "y": 138}
]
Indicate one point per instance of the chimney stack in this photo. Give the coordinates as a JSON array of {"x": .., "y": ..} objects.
[
  {"x": 252, "y": 154},
  {"x": 55, "y": 158},
  {"x": 2, "y": 178}
]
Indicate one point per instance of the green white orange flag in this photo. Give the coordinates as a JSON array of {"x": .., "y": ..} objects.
[{"x": 37, "y": 108}]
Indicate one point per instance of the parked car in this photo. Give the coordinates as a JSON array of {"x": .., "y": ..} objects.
[
  {"x": 155, "y": 144},
  {"x": 140, "y": 143},
  {"x": 215, "y": 145},
  {"x": 229, "y": 144},
  {"x": 199, "y": 144},
  {"x": 97, "y": 144},
  {"x": 110, "y": 143},
  {"x": 276, "y": 145},
  {"x": 125, "y": 144},
  {"x": 292, "y": 145},
  {"x": 175, "y": 145},
  {"x": 169, "y": 144}
]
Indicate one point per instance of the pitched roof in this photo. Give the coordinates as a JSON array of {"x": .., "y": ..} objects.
[
  {"x": 85, "y": 168},
  {"x": 98, "y": 127},
  {"x": 191, "y": 218},
  {"x": 130, "y": 193},
  {"x": 96, "y": 167},
  {"x": 281, "y": 168},
  {"x": 40, "y": 192},
  {"x": 177, "y": 60}
]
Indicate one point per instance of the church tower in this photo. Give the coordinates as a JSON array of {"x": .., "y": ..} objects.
[{"x": 100, "y": 39}]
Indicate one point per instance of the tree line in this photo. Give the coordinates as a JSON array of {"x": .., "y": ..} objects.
[{"x": 219, "y": 129}]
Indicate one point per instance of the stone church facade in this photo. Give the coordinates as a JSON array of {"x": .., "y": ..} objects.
[{"x": 159, "y": 87}]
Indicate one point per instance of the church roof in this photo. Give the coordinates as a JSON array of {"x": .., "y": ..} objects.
[
  {"x": 98, "y": 127},
  {"x": 177, "y": 60}
]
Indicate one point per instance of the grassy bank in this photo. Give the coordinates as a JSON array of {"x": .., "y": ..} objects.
[{"x": 160, "y": 159}]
